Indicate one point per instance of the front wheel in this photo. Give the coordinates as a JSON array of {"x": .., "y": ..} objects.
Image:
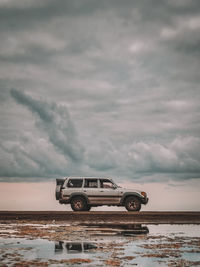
[
  {"x": 88, "y": 207},
  {"x": 78, "y": 204},
  {"x": 133, "y": 204}
]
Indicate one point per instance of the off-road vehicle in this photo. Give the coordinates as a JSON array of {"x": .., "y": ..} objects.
[{"x": 86, "y": 192}]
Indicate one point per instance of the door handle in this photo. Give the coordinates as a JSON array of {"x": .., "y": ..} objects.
[{"x": 102, "y": 191}]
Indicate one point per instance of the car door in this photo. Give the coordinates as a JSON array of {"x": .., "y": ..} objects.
[
  {"x": 108, "y": 193},
  {"x": 91, "y": 189}
]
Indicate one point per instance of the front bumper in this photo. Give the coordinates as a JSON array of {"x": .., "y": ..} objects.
[{"x": 145, "y": 200}]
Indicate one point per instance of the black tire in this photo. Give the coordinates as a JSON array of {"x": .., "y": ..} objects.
[
  {"x": 132, "y": 204},
  {"x": 78, "y": 204},
  {"x": 88, "y": 207}
]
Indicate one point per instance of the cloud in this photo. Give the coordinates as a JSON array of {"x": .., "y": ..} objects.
[
  {"x": 175, "y": 160},
  {"x": 56, "y": 122},
  {"x": 56, "y": 150},
  {"x": 102, "y": 157},
  {"x": 179, "y": 156},
  {"x": 31, "y": 156}
]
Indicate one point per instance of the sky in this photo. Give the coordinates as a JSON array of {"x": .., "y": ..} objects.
[{"x": 100, "y": 88}]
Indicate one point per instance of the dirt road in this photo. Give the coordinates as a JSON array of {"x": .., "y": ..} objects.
[{"x": 104, "y": 217}]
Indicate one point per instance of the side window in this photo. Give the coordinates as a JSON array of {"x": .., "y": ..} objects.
[
  {"x": 77, "y": 183},
  {"x": 91, "y": 183},
  {"x": 106, "y": 184}
]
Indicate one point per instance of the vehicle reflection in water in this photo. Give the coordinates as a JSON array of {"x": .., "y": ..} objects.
[
  {"x": 74, "y": 247},
  {"x": 117, "y": 229},
  {"x": 100, "y": 229}
]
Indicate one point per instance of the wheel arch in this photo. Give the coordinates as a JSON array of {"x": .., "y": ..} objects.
[
  {"x": 84, "y": 196},
  {"x": 129, "y": 194}
]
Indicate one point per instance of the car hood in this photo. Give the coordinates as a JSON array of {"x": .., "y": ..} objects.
[{"x": 129, "y": 190}]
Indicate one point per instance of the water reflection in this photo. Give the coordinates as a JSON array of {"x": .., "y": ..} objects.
[
  {"x": 167, "y": 245},
  {"x": 100, "y": 229},
  {"x": 118, "y": 229},
  {"x": 73, "y": 247}
]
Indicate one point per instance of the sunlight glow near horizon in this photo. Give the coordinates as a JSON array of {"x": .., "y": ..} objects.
[{"x": 41, "y": 196}]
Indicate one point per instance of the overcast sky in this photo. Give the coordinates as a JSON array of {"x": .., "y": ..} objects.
[{"x": 100, "y": 88}]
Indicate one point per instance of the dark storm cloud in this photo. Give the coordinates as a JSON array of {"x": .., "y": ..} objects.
[
  {"x": 31, "y": 14},
  {"x": 32, "y": 158},
  {"x": 56, "y": 150},
  {"x": 128, "y": 72},
  {"x": 56, "y": 122}
]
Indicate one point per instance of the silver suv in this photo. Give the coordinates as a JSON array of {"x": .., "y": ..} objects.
[{"x": 86, "y": 192}]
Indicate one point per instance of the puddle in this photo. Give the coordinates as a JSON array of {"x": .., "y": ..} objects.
[
  {"x": 74, "y": 247},
  {"x": 190, "y": 230},
  {"x": 100, "y": 245}
]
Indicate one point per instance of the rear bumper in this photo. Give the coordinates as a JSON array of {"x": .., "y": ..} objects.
[{"x": 63, "y": 201}]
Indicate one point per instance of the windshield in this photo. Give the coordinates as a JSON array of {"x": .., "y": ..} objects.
[{"x": 117, "y": 186}]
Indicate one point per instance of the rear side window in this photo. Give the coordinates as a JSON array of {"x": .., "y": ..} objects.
[
  {"x": 91, "y": 183},
  {"x": 77, "y": 183}
]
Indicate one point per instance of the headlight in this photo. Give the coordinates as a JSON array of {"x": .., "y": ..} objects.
[{"x": 144, "y": 194}]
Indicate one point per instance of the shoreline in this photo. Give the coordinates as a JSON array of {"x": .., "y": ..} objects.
[{"x": 152, "y": 217}]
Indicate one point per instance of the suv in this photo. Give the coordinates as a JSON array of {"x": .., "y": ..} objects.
[{"x": 86, "y": 192}]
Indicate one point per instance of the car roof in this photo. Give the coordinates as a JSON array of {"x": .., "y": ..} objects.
[{"x": 88, "y": 177}]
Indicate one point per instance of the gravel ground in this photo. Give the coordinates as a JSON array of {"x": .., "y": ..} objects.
[{"x": 100, "y": 216}]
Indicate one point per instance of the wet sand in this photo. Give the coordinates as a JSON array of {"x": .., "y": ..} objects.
[
  {"x": 24, "y": 243},
  {"x": 152, "y": 217}
]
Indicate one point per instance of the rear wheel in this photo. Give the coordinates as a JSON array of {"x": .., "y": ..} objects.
[
  {"x": 132, "y": 204},
  {"x": 78, "y": 204}
]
